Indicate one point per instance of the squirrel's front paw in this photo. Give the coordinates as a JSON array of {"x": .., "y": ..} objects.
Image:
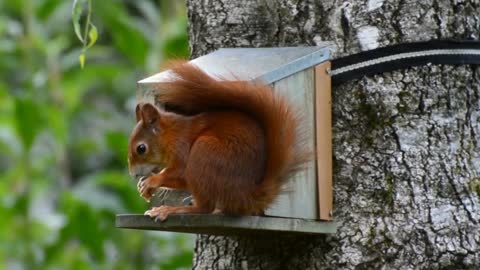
[
  {"x": 160, "y": 213},
  {"x": 146, "y": 186}
]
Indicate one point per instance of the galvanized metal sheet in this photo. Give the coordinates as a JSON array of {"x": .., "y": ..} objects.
[{"x": 264, "y": 64}]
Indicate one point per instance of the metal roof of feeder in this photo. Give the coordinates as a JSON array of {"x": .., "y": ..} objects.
[{"x": 264, "y": 64}]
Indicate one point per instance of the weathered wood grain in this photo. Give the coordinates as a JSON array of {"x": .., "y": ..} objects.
[
  {"x": 300, "y": 197},
  {"x": 226, "y": 225},
  {"x": 323, "y": 132}
]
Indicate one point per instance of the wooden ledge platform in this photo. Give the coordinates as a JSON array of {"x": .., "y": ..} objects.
[{"x": 226, "y": 225}]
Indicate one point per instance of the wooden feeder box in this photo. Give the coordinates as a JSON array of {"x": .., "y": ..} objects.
[{"x": 301, "y": 75}]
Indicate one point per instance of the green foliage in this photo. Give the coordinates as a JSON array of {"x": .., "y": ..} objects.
[
  {"x": 64, "y": 131},
  {"x": 28, "y": 116},
  {"x": 90, "y": 33}
]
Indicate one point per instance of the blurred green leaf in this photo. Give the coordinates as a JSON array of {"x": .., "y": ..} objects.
[
  {"x": 178, "y": 261},
  {"x": 81, "y": 59},
  {"x": 77, "y": 10},
  {"x": 92, "y": 35},
  {"x": 29, "y": 120},
  {"x": 124, "y": 187},
  {"x": 46, "y": 7},
  {"x": 83, "y": 224},
  {"x": 118, "y": 143},
  {"x": 130, "y": 40},
  {"x": 177, "y": 47},
  {"x": 57, "y": 123},
  {"x": 92, "y": 194}
]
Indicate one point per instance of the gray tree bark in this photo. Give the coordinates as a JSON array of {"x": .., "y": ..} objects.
[{"x": 406, "y": 143}]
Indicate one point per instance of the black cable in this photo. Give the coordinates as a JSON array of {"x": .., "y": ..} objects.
[{"x": 399, "y": 56}]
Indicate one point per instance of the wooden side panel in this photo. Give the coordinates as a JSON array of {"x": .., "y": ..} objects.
[
  {"x": 323, "y": 115},
  {"x": 300, "y": 199}
]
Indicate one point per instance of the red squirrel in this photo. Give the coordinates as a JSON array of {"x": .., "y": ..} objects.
[{"x": 232, "y": 152}]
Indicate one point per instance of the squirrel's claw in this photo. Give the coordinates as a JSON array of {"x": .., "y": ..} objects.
[
  {"x": 144, "y": 188},
  {"x": 140, "y": 181}
]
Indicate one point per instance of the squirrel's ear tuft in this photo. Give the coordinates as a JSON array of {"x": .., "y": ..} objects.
[
  {"x": 138, "y": 114},
  {"x": 149, "y": 114}
]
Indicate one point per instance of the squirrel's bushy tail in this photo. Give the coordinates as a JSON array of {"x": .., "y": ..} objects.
[{"x": 192, "y": 90}]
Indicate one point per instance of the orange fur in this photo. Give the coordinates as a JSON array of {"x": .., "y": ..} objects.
[{"x": 234, "y": 150}]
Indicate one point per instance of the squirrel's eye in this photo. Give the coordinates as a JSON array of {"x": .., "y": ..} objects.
[{"x": 141, "y": 149}]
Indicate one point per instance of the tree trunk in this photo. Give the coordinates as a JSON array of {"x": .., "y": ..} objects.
[{"x": 406, "y": 143}]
